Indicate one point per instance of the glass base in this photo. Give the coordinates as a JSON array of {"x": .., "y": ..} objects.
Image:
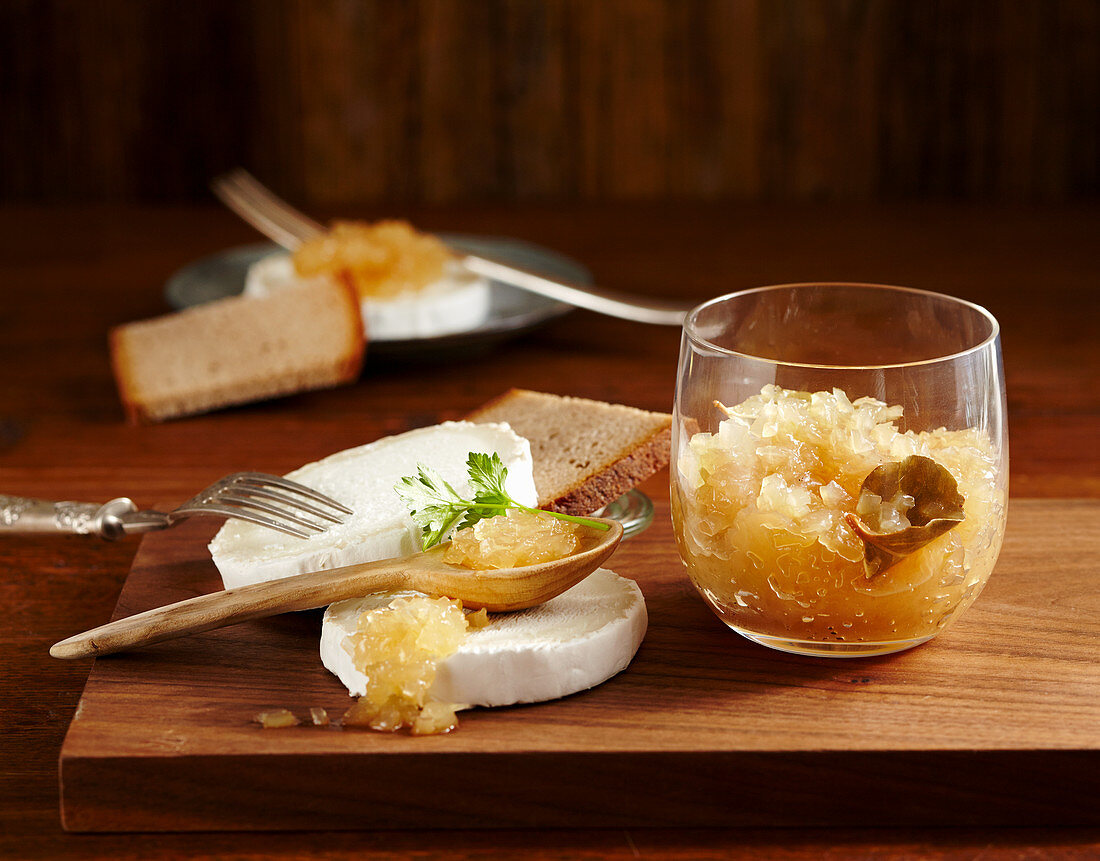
[
  {"x": 827, "y": 649},
  {"x": 634, "y": 510}
]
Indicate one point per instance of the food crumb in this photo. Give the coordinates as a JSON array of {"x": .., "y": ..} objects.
[
  {"x": 276, "y": 719},
  {"x": 434, "y": 718}
]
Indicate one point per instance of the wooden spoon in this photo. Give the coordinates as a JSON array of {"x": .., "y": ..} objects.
[{"x": 496, "y": 590}]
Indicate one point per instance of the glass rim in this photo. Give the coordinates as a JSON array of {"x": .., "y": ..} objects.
[{"x": 690, "y": 327}]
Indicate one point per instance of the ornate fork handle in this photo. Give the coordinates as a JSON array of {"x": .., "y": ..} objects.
[{"x": 23, "y": 515}]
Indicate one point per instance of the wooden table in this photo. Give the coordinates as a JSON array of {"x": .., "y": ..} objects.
[{"x": 69, "y": 274}]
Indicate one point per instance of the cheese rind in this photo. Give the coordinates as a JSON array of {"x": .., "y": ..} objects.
[
  {"x": 569, "y": 644},
  {"x": 363, "y": 478},
  {"x": 457, "y": 302}
]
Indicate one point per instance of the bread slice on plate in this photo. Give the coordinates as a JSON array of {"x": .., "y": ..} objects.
[
  {"x": 238, "y": 350},
  {"x": 586, "y": 453}
]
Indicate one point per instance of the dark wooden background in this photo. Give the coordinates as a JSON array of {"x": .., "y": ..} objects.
[{"x": 427, "y": 101}]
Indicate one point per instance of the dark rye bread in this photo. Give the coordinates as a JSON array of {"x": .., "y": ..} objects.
[
  {"x": 587, "y": 453},
  {"x": 236, "y": 350}
]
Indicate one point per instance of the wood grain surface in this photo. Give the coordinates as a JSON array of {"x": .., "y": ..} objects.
[
  {"x": 995, "y": 722},
  {"x": 444, "y": 100},
  {"x": 67, "y": 274}
]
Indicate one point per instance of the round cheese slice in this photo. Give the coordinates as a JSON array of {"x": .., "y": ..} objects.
[
  {"x": 572, "y": 643},
  {"x": 457, "y": 302},
  {"x": 363, "y": 479}
]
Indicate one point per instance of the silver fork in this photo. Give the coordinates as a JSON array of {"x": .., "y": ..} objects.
[
  {"x": 282, "y": 223},
  {"x": 266, "y": 500}
]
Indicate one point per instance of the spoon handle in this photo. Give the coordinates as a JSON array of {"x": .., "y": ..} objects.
[{"x": 219, "y": 609}]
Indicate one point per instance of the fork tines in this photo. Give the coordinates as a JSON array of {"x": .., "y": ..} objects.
[
  {"x": 271, "y": 501},
  {"x": 264, "y": 210}
]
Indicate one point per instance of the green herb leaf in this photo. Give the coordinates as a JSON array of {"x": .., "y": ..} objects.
[
  {"x": 487, "y": 474},
  {"x": 436, "y": 506}
]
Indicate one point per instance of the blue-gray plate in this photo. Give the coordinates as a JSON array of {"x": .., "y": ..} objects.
[{"x": 511, "y": 311}]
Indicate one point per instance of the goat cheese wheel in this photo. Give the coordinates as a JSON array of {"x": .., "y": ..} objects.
[
  {"x": 457, "y": 302},
  {"x": 569, "y": 644},
  {"x": 363, "y": 479}
]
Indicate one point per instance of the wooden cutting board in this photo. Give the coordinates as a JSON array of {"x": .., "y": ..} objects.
[{"x": 996, "y": 721}]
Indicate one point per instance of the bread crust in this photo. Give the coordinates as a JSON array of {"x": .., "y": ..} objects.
[
  {"x": 625, "y": 471},
  {"x": 122, "y": 365},
  {"x": 604, "y": 488},
  {"x": 145, "y": 407}
]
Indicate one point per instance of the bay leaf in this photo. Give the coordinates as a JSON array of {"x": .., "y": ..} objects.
[{"x": 937, "y": 507}]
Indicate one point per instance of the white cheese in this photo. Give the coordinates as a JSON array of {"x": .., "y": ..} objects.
[
  {"x": 572, "y": 643},
  {"x": 363, "y": 479},
  {"x": 457, "y": 302}
]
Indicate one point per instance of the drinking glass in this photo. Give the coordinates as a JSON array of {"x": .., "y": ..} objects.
[{"x": 840, "y": 463}]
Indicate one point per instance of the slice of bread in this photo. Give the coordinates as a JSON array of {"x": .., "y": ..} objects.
[
  {"x": 586, "y": 453},
  {"x": 237, "y": 350}
]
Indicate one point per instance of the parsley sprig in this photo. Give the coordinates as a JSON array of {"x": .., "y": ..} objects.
[{"x": 437, "y": 507}]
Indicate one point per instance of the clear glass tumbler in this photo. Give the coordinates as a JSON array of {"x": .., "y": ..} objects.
[{"x": 840, "y": 463}]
